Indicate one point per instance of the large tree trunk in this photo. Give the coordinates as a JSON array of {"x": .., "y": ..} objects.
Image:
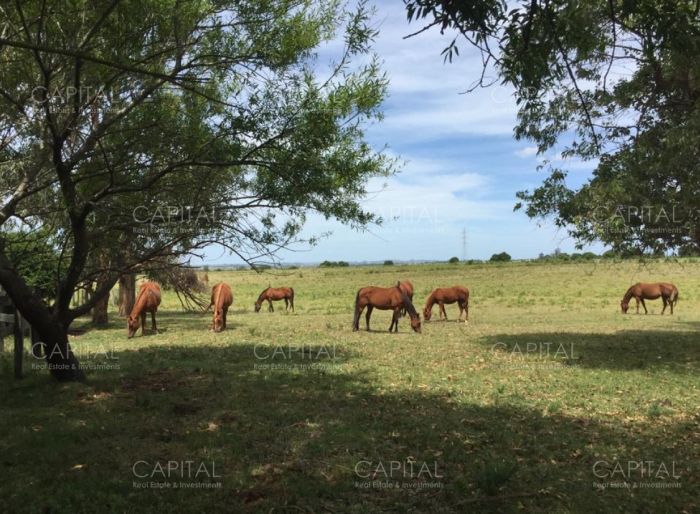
[
  {"x": 99, "y": 311},
  {"x": 59, "y": 357},
  {"x": 127, "y": 294}
]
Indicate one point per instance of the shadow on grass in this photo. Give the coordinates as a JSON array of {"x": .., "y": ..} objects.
[
  {"x": 313, "y": 439},
  {"x": 625, "y": 350}
]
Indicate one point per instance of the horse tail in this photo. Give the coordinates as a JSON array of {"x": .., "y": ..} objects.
[{"x": 356, "y": 317}]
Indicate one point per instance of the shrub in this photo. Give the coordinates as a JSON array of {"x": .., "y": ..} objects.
[{"x": 500, "y": 257}]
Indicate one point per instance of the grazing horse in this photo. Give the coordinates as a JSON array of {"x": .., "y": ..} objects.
[
  {"x": 384, "y": 298},
  {"x": 221, "y": 300},
  {"x": 274, "y": 294},
  {"x": 443, "y": 295},
  {"x": 407, "y": 288},
  {"x": 640, "y": 292},
  {"x": 148, "y": 300}
]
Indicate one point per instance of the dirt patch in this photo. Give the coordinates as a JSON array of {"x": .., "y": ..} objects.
[{"x": 160, "y": 381}]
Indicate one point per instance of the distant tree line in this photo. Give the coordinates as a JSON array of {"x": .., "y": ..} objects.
[{"x": 333, "y": 264}]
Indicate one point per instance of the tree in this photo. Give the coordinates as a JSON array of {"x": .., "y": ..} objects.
[
  {"x": 149, "y": 130},
  {"x": 613, "y": 82},
  {"x": 500, "y": 257},
  {"x": 453, "y": 260},
  {"x": 127, "y": 294}
]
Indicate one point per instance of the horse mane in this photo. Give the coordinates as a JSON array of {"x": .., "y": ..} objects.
[
  {"x": 628, "y": 294},
  {"x": 219, "y": 287},
  {"x": 430, "y": 301},
  {"x": 263, "y": 292},
  {"x": 407, "y": 302},
  {"x": 143, "y": 291}
]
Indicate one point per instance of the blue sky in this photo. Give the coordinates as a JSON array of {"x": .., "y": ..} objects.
[{"x": 462, "y": 164}]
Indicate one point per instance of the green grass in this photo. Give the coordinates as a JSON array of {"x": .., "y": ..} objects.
[{"x": 547, "y": 387}]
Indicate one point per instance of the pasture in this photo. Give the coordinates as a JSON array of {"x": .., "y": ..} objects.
[{"x": 547, "y": 400}]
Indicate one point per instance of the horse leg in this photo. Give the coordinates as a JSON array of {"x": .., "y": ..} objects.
[
  {"x": 645, "y": 307},
  {"x": 370, "y": 308},
  {"x": 143, "y": 322},
  {"x": 153, "y": 322},
  {"x": 663, "y": 299},
  {"x": 270, "y": 308},
  {"x": 225, "y": 312},
  {"x": 671, "y": 302},
  {"x": 637, "y": 300},
  {"x": 444, "y": 312},
  {"x": 395, "y": 320},
  {"x": 356, "y": 318},
  {"x": 291, "y": 303},
  {"x": 286, "y": 304}
]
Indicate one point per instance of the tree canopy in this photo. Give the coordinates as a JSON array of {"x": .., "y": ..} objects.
[
  {"x": 137, "y": 133},
  {"x": 614, "y": 82}
]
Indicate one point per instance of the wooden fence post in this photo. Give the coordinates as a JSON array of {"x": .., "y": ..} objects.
[{"x": 19, "y": 343}]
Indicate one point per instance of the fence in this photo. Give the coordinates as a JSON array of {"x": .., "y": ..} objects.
[{"x": 11, "y": 322}]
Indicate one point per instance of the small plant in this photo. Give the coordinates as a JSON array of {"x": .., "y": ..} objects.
[
  {"x": 554, "y": 407},
  {"x": 657, "y": 409},
  {"x": 494, "y": 473}
]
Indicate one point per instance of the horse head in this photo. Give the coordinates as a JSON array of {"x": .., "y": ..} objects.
[
  {"x": 415, "y": 317},
  {"x": 415, "y": 322},
  {"x": 132, "y": 325},
  {"x": 624, "y": 306},
  {"x": 258, "y": 304},
  {"x": 427, "y": 313},
  {"x": 218, "y": 320}
]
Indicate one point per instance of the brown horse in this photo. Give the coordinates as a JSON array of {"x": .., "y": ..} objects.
[
  {"x": 384, "y": 298},
  {"x": 640, "y": 292},
  {"x": 443, "y": 295},
  {"x": 147, "y": 300},
  {"x": 221, "y": 300},
  {"x": 274, "y": 294},
  {"x": 407, "y": 287}
]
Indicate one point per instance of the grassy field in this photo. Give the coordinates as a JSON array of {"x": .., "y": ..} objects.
[{"x": 548, "y": 400}]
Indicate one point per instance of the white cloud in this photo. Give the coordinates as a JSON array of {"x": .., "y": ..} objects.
[{"x": 528, "y": 151}]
